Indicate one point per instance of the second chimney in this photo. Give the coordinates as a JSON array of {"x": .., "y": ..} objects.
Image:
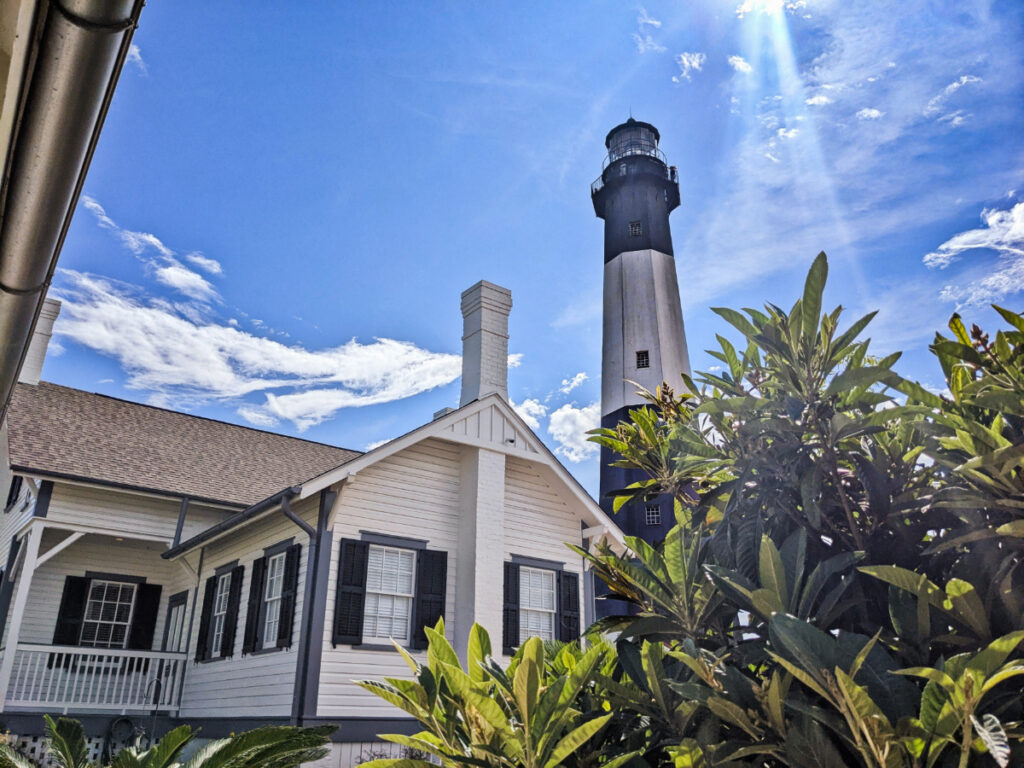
[
  {"x": 485, "y": 310},
  {"x": 32, "y": 368}
]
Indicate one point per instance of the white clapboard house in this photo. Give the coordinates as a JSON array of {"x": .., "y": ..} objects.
[{"x": 230, "y": 577}]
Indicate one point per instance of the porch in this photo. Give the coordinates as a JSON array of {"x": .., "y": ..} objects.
[{"x": 68, "y": 679}]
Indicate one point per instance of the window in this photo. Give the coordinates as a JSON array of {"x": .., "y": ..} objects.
[
  {"x": 540, "y": 600},
  {"x": 220, "y": 611},
  {"x": 106, "y": 610},
  {"x": 174, "y": 628},
  {"x": 536, "y": 603},
  {"x": 653, "y": 514},
  {"x": 272, "y": 599},
  {"x": 108, "y": 614},
  {"x": 643, "y": 359},
  {"x": 636, "y": 229},
  {"x": 390, "y": 577},
  {"x": 389, "y": 587}
]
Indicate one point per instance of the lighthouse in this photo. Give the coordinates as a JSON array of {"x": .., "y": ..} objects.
[{"x": 643, "y": 338}]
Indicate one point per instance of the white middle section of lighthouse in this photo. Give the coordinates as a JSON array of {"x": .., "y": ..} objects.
[{"x": 642, "y": 313}]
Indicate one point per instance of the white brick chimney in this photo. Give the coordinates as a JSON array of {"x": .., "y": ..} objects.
[
  {"x": 32, "y": 368},
  {"x": 485, "y": 310}
]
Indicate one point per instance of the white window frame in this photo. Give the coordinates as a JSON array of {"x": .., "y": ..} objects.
[
  {"x": 549, "y": 616},
  {"x": 175, "y": 627},
  {"x": 273, "y": 589},
  {"x": 383, "y": 595},
  {"x": 652, "y": 514},
  {"x": 218, "y": 616},
  {"x": 93, "y": 583}
]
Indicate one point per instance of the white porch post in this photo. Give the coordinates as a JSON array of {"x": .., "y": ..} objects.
[{"x": 28, "y": 568}]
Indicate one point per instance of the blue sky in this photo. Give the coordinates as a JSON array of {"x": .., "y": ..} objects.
[{"x": 287, "y": 199}]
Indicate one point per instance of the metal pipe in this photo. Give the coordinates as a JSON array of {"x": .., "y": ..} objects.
[
  {"x": 82, "y": 46},
  {"x": 286, "y": 507}
]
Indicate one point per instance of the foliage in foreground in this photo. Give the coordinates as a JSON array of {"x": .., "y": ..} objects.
[
  {"x": 270, "y": 747},
  {"x": 843, "y": 586}
]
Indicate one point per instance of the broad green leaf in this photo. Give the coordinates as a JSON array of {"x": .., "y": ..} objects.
[
  {"x": 477, "y": 651},
  {"x": 772, "y": 572},
  {"x": 576, "y": 739},
  {"x": 814, "y": 287}
]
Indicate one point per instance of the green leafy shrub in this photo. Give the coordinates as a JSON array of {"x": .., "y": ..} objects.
[
  {"x": 843, "y": 586},
  {"x": 270, "y": 747}
]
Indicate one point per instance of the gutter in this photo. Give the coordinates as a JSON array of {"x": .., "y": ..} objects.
[
  {"x": 281, "y": 498},
  {"x": 79, "y": 50}
]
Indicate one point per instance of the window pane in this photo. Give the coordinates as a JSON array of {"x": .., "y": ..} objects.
[{"x": 390, "y": 585}]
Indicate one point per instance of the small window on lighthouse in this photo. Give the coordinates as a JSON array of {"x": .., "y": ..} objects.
[
  {"x": 653, "y": 514},
  {"x": 636, "y": 229},
  {"x": 643, "y": 359}
]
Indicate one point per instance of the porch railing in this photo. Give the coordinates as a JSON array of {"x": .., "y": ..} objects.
[{"x": 62, "y": 678}]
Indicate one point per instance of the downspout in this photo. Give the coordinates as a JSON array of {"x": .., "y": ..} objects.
[
  {"x": 309, "y": 644},
  {"x": 81, "y": 48}
]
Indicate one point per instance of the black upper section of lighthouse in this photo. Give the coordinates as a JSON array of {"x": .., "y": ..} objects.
[{"x": 635, "y": 192}]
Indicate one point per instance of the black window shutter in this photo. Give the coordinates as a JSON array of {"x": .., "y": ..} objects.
[
  {"x": 13, "y": 493},
  {"x": 510, "y": 618},
  {"x": 568, "y": 606},
  {"x": 288, "y": 590},
  {"x": 431, "y": 578},
  {"x": 227, "y": 640},
  {"x": 203, "y": 641},
  {"x": 147, "y": 605},
  {"x": 71, "y": 611},
  {"x": 351, "y": 593},
  {"x": 251, "y": 637}
]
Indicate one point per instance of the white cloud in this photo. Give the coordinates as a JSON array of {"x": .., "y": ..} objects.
[
  {"x": 935, "y": 104},
  {"x": 181, "y": 359},
  {"x": 740, "y": 64},
  {"x": 192, "y": 284},
  {"x": 643, "y": 19},
  {"x": 1003, "y": 232},
  {"x": 135, "y": 57},
  {"x": 689, "y": 62},
  {"x": 769, "y": 7},
  {"x": 646, "y": 43},
  {"x": 515, "y": 359},
  {"x": 568, "y": 385},
  {"x": 377, "y": 444},
  {"x": 531, "y": 410},
  {"x": 788, "y": 133},
  {"x": 204, "y": 262},
  {"x": 167, "y": 269},
  {"x": 954, "y": 119},
  {"x": 568, "y": 426},
  {"x": 818, "y": 101},
  {"x": 869, "y": 113}
]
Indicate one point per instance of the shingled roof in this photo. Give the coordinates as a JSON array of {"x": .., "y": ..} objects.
[{"x": 63, "y": 432}]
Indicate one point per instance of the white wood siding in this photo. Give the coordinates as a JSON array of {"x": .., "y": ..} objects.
[
  {"x": 254, "y": 685},
  {"x": 413, "y": 493},
  {"x": 539, "y": 518},
  {"x": 96, "y": 507}
]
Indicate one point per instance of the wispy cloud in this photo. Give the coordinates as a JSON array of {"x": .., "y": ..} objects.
[
  {"x": 166, "y": 267},
  {"x": 869, "y": 113},
  {"x": 568, "y": 385},
  {"x": 689, "y": 62},
  {"x": 204, "y": 262},
  {"x": 183, "y": 358},
  {"x": 643, "y": 20},
  {"x": 531, "y": 410},
  {"x": 1003, "y": 234},
  {"x": 936, "y": 103},
  {"x": 568, "y": 426},
  {"x": 647, "y": 44},
  {"x": 135, "y": 57},
  {"x": 769, "y": 6},
  {"x": 819, "y": 100},
  {"x": 740, "y": 64}
]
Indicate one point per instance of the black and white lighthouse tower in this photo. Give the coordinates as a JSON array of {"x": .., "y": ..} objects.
[{"x": 644, "y": 340}]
